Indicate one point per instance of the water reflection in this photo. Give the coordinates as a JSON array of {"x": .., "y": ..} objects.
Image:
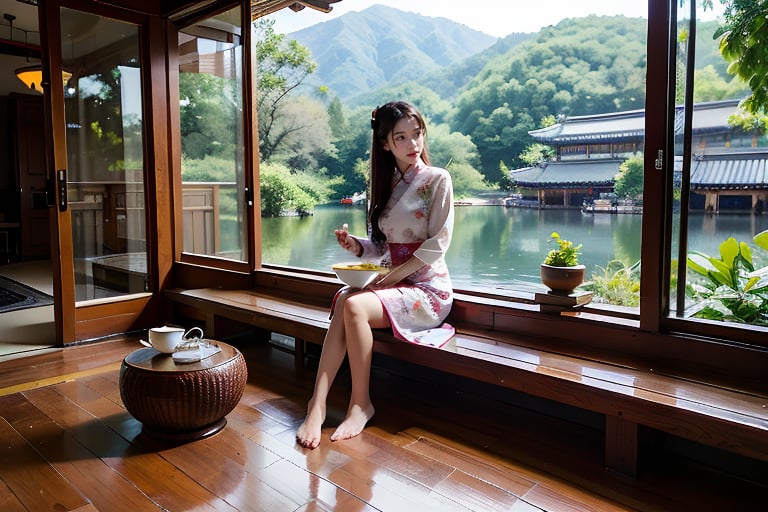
[{"x": 498, "y": 247}]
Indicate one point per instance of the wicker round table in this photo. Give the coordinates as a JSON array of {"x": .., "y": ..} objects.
[{"x": 182, "y": 401}]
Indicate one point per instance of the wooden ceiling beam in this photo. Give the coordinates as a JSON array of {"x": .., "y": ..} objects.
[
  {"x": 266, "y": 7},
  {"x": 19, "y": 49}
]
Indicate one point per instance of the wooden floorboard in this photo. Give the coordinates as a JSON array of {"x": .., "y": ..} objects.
[{"x": 436, "y": 443}]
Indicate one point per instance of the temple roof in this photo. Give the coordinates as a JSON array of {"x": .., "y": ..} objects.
[
  {"x": 630, "y": 125},
  {"x": 574, "y": 174},
  {"x": 728, "y": 171}
]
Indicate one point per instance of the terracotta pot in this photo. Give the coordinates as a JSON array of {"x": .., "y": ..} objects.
[{"x": 562, "y": 279}]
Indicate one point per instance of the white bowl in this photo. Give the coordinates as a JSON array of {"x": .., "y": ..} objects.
[{"x": 356, "y": 275}]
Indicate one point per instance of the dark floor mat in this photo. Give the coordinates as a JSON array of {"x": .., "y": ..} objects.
[{"x": 15, "y": 295}]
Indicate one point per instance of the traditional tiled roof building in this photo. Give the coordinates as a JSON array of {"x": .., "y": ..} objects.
[{"x": 729, "y": 169}]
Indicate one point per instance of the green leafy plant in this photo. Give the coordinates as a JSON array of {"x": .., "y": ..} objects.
[
  {"x": 617, "y": 283},
  {"x": 566, "y": 254},
  {"x": 733, "y": 289}
]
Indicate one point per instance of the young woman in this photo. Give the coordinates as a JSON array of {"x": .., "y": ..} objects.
[{"x": 410, "y": 219}]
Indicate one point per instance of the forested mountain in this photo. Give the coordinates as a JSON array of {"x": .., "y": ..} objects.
[
  {"x": 579, "y": 66},
  {"x": 480, "y": 95},
  {"x": 482, "y": 103},
  {"x": 363, "y": 51},
  {"x": 450, "y": 79}
]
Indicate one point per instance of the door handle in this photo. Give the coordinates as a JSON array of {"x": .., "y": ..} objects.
[{"x": 61, "y": 182}]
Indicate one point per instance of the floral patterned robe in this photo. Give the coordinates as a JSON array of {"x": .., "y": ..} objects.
[{"x": 418, "y": 221}]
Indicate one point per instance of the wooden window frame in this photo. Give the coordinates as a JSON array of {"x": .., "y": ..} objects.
[{"x": 705, "y": 350}]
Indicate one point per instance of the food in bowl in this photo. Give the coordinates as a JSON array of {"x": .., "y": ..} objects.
[
  {"x": 357, "y": 275},
  {"x": 358, "y": 266}
]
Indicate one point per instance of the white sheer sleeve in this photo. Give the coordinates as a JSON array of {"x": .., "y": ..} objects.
[
  {"x": 371, "y": 251},
  {"x": 440, "y": 227}
]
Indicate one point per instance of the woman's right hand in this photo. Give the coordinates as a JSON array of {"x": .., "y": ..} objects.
[{"x": 345, "y": 240}]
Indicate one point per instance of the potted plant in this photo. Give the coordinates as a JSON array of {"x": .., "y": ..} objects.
[{"x": 561, "y": 271}]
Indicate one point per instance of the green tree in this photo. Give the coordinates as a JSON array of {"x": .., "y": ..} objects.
[
  {"x": 505, "y": 183},
  {"x": 536, "y": 153},
  {"x": 211, "y": 168},
  {"x": 106, "y": 136},
  {"x": 467, "y": 181},
  {"x": 590, "y": 65},
  {"x": 283, "y": 191},
  {"x": 711, "y": 86},
  {"x": 429, "y": 102},
  {"x": 458, "y": 154},
  {"x": 498, "y": 134},
  {"x": 208, "y": 124},
  {"x": 629, "y": 181},
  {"x": 755, "y": 124},
  {"x": 446, "y": 147},
  {"x": 336, "y": 118},
  {"x": 305, "y": 134},
  {"x": 744, "y": 44},
  {"x": 282, "y": 65},
  {"x": 350, "y": 145}
]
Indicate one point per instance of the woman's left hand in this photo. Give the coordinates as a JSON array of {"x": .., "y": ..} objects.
[
  {"x": 385, "y": 280},
  {"x": 396, "y": 274}
]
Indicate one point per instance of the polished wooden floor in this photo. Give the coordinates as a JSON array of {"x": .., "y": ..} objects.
[{"x": 437, "y": 443}]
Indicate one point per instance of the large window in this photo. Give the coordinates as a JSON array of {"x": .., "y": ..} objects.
[
  {"x": 212, "y": 141},
  {"x": 543, "y": 129},
  {"x": 719, "y": 188},
  {"x": 528, "y": 111}
]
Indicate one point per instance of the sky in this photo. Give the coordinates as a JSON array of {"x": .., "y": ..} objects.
[{"x": 494, "y": 17}]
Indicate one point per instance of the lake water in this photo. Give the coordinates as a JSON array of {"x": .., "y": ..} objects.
[{"x": 496, "y": 247}]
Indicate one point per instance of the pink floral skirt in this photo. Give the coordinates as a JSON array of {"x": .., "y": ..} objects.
[{"x": 416, "y": 306}]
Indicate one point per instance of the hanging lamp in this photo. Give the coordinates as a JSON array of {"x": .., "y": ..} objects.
[{"x": 32, "y": 76}]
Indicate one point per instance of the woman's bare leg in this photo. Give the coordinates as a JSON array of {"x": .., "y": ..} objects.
[
  {"x": 331, "y": 357},
  {"x": 362, "y": 312}
]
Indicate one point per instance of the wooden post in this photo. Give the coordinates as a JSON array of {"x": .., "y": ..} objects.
[
  {"x": 621, "y": 445},
  {"x": 298, "y": 352}
]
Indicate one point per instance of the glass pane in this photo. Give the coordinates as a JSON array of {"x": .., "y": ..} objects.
[
  {"x": 212, "y": 167},
  {"x": 105, "y": 155},
  {"x": 534, "y": 117},
  {"x": 720, "y": 191},
  {"x": 682, "y": 63}
]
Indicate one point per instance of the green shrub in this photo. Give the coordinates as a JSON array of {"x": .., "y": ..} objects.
[
  {"x": 617, "y": 284},
  {"x": 732, "y": 289}
]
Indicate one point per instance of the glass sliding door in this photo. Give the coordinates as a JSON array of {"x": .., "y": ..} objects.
[{"x": 105, "y": 155}]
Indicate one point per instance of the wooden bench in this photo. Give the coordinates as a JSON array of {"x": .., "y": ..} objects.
[{"x": 733, "y": 420}]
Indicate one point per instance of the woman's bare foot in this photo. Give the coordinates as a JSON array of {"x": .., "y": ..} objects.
[
  {"x": 354, "y": 423},
  {"x": 308, "y": 434}
]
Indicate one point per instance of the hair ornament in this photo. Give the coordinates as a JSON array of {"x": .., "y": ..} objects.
[{"x": 373, "y": 118}]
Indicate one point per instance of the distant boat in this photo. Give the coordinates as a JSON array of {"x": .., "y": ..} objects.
[
  {"x": 612, "y": 206},
  {"x": 512, "y": 201},
  {"x": 356, "y": 199}
]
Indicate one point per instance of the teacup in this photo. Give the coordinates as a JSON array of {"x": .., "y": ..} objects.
[{"x": 165, "y": 339}]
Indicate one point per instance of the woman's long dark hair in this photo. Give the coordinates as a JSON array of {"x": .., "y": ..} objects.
[{"x": 383, "y": 120}]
